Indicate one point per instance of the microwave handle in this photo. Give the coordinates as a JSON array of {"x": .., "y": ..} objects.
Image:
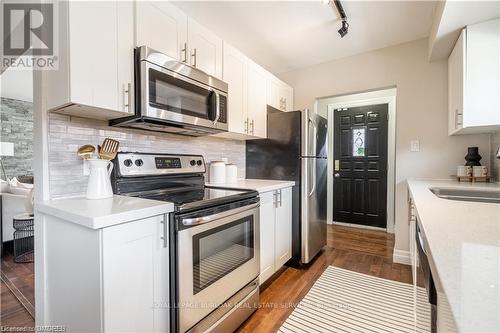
[{"x": 217, "y": 106}]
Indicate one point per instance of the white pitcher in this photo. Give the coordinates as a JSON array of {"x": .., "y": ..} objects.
[{"x": 99, "y": 186}]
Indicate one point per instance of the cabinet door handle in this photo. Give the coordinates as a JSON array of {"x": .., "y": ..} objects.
[
  {"x": 164, "y": 221},
  {"x": 284, "y": 104},
  {"x": 279, "y": 196},
  {"x": 193, "y": 56},
  {"x": 458, "y": 123},
  {"x": 127, "y": 97},
  {"x": 246, "y": 126},
  {"x": 275, "y": 199},
  {"x": 184, "y": 51},
  {"x": 252, "y": 125}
]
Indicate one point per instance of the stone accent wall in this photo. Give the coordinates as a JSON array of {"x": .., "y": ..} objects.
[
  {"x": 67, "y": 133},
  {"x": 495, "y": 162},
  {"x": 17, "y": 127}
]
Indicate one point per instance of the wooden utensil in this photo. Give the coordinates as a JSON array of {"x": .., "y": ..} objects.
[
  {"x": 108, "y": 149},
  {"x": 86, "y": 152}
]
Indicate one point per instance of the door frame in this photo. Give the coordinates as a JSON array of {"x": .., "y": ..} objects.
[{"x": 383, "y": 96}]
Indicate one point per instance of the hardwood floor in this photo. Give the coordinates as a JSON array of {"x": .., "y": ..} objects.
[
  {"x": 13, "y": 314},
  {"x": 363, "y": 251},
  {"x": 18, "y": 293}
]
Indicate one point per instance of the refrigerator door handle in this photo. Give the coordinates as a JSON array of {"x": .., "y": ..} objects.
[
  {"x": 311, "y": 151},
  {"x": 312, "y": 172}
]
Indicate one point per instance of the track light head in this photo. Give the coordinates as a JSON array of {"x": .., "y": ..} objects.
[{"x": 345, "y": 29}]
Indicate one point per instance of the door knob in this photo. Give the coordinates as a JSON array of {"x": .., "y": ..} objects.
[{"x": 337, "y": 175}]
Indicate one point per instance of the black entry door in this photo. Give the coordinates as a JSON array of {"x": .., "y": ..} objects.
[{"x": 360, "y": 179}]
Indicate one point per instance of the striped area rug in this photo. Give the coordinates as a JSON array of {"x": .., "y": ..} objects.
[{"x": 346, "y": 301}]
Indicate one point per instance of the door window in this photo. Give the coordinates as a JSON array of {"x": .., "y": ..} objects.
[
  {"x": 219, "y": 251},
  {"x": 358, "y": 142}
]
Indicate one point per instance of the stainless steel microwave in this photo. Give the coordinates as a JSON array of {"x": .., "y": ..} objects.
[{"x": 172, "y": 96}]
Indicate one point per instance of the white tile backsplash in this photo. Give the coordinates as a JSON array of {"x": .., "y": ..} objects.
[{"x": 67, "y": 133}]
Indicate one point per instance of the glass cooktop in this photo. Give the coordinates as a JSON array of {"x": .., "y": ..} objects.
[{"x": 190, "y": 198}]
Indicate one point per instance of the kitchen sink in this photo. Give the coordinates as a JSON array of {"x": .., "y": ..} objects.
[{"x": 467, "y": 195}]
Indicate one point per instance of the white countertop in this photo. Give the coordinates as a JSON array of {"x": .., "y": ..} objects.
[
  {"x": 260, "y": 185},
  {"x": 96, "y": 214},
  {"x": 464, "y": 243}
]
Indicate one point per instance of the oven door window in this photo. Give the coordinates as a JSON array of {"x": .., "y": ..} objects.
[
  {"x": 219, "y": 251},
  {"x": 169, "y": 93}
]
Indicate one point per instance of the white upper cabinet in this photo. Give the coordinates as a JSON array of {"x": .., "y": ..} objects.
[
  {"x": 96, "y": 64},
  {"x": 456, "y": 67},
  {"x": 247, "y": 106},
  {"x": 95, "y": 72},
  {"x": 279, "y": 94},
  {"x": 288, "y": 97},
  {"x": 257, "y": 101},
  {"x": 125, "y": 64},
  {"x": 235, "y": 75},
  {"x": 163, "y": 27},
  {"x": 205, "y": 49},
  {"x": 474, "y": 80}
]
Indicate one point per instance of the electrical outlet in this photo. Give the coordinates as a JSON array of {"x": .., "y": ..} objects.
[
  {"x": 86, "y": 168},
  {"x": 414, "y": 145}
]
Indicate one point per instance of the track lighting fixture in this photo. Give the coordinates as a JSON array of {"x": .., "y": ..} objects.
[
  {"x": 345, "y": 26},
  {"x": 345, "y": 29}
]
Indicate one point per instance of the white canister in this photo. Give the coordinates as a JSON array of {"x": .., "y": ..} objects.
[
  {"x": 462, "y": 171},
  {"x": 480, "y": 171},
  {"x": 217, "y": 172},
  {"x": 231, "y": 173}
]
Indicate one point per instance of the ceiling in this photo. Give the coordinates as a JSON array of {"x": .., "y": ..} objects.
[
  {"x": 451, "y": 17},
  {"x": 287, "y": 35}
]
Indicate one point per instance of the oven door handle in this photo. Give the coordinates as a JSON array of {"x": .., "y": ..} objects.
[{"x": 209, "y": 218}]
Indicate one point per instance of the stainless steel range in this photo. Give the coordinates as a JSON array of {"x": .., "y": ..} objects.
[{"x": 214, "y": 237}]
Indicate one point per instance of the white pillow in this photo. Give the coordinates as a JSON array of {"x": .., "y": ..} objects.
[
  {"x": 19, "y": 191},
  {"x": 19, "y": 188},
  {"x": 4, "y": 186}
]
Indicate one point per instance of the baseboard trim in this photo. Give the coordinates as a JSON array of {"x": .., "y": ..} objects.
[
  {"x": 359, "y": 226},
  {"x": 401, "y": 257}
]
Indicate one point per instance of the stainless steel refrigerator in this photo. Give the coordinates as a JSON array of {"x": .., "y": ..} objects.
[{"x": 296, "y": 149}]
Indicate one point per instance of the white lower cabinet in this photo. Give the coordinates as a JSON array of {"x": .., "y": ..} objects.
[
  {"x": 275, "y": 231},
  {"x": 114, "y": 279},
  {"x": 135, "y": 268},
  {"x": 412, "y": 239}
]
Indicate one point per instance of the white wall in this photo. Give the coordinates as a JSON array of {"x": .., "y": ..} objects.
[
  {"x": 17, "y": 84},
  {"x": 421, "y": 111}
]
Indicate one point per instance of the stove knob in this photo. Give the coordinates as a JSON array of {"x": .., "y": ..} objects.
[
  {"x": 193, "y": 162},
  {"x": 127, "y": 162},
  {"x": 199, "y": 162},
  {"x": 139, "y": 162}
]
